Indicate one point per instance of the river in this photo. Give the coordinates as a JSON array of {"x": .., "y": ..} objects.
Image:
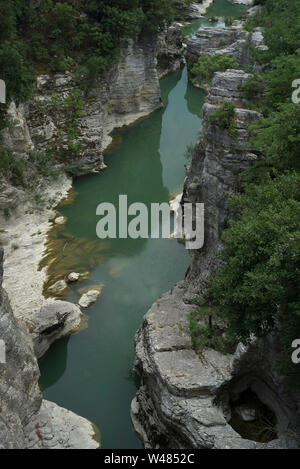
[{"x": 90, "y": 372}]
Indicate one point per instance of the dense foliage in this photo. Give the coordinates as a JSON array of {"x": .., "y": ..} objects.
[
  {"x": 258, "y": 288},
  {"x": 79, "y": 36},
  {"x": 202, "y": 71},
  {"x": 83, "y": 36}
]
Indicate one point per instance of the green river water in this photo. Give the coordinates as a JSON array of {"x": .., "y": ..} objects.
[{"x": 90, "y": 372}]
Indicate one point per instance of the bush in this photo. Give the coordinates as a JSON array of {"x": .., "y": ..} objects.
[
  {"x": 202, "y": 71},
  {"x": 224, "y": 117},
  {"x": 258, "y": 287},
  {"x": 10, "y": 167}
]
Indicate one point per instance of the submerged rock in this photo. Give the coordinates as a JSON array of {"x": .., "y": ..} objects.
[
  {"x": 90, "y": 297},
  {"x": 246, "y": 413},
  {"x": 60, "y": 220},
  {"x": 73, "y": 277},
  {"x": 58, "y": 287}
]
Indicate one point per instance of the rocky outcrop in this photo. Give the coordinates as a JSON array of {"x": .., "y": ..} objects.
[
  {"x": 57, "y": 428},
  {"x": 126, "y": 92},
  {"x": 54, "y": 320},
  {"x": 25, "y": 420},
  {"x": 170, "y": 50},
  {"x": 185, "y": 9},
  {"x": 186, "y": 401},
  {"x": 225, "y": 41},
  {"x": 174, "y": 407},
  {"x": 215, "y": 171},
  {"x": 20, "y": 398}
]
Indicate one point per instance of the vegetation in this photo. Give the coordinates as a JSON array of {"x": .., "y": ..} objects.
[
  {"x": 256, "y": 288},
  {"x": 11, "y": 167},
  {"x": 56, "y": 36},
  {"x": 51, "y": 36},
  {"x": 202, "y": 71},
  {"x": 224, "y": 117},
  {"x": 207, "y": 331}
]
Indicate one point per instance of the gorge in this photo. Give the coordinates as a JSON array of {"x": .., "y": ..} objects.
[{"x": 134, "y": 127}]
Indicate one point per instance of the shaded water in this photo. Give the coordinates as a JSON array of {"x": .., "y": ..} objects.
[{"x": 91, "y": 372}]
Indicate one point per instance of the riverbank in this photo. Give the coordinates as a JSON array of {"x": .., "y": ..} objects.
[
  {"x": 132, "y": 93},
  {"x": 195, "y": 391}
]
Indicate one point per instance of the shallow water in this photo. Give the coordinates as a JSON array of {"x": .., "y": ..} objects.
[{"x": 91, "y": 372}]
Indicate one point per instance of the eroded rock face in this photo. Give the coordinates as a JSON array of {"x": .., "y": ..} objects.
[
  {"x": 127, "y": 91},
  {"x": 174, "y": 407},
  {"x": 57, "y": 428},
  {"x": 20, "y": 397},
  {"x": 27, "y": 421},
  {"x": 185, "y": 9},
  {"x": 225, "y": 41},
  {"x": 170, "y": 50},
  {"x": 184, "y": 400},
  {"x": 54, "y": 320},
  {"x": 215, "y": 171}
]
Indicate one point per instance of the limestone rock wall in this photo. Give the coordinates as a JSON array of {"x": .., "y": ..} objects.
[
  {"x": 225, "y": 41},
  {"x": 20, "y": 397},
  {"x": 185, "y": 9},
  {"x": 174, "y": 407},
  {"x": 128, "y": 91},
  {"x": 170, "y": 50},
  {"x": 25, "y": 420},
  {"x": 215, "y": 171}
]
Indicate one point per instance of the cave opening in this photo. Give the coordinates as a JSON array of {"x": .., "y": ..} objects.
[{"x": 252, "y": 419}]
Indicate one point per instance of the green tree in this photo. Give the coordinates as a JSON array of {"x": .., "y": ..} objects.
[
  {"x": 277, "y": 141},
  {"x": 202, "y": 71},
  {"x": 258, "y": 286}
]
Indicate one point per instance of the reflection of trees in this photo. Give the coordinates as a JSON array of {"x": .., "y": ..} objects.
[
  {"x": 54, "y": 363},
  {"x": 195, "y": 99},
  {"x": 168, "y": 84},
  {"x": 134, "y": 169}
]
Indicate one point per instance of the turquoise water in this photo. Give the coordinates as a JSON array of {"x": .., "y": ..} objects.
[
  {"x": 91, "y": 372},
  {"x": 219, "y": 9}
]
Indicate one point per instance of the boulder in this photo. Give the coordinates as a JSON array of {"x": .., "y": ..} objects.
[
  {"x": 54, "y": 320},
  {"x": 73, "y": 277},
  {"x": 90, "y": 297}
]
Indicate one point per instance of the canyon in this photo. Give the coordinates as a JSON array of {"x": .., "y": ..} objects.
[{"x": 184, "y": 401}]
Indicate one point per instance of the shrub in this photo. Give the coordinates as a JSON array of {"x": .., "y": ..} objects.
[
  {"x": 224, "y": 117},
  {"x": 202, "y": 71}
]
